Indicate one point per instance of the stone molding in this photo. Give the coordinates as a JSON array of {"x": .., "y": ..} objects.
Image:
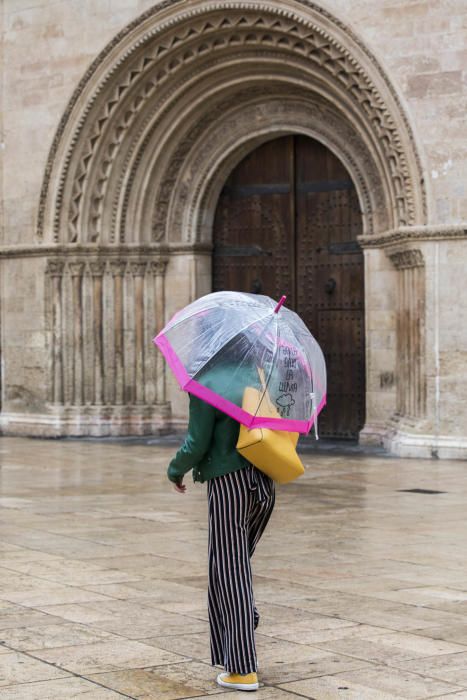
[
  {"x": 111, "y": 253},
  {"x": 414, "y": 440},
  {"x": 125, "y": 105},
  {"x": 425, "y": 445},
  {"x": 97, "y": 421},
  {"x": 218, "y": 145},
  {"x": 406, "y": 259},
  {"x": 55, "y": 268},
  {"x": 407, "y": 234},
  {"x": 402, "y": 235}
]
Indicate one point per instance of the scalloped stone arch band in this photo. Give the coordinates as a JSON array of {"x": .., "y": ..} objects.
[{"x": 134, "y": 145}]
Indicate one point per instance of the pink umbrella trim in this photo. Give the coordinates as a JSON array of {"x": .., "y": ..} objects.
[{"x": 202, "y": 392}]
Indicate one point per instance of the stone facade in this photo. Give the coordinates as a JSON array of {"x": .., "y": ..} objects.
[{"x": 121, "y": 122}]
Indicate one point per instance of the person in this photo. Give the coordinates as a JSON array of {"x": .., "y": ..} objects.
[{"x": 240, "y": 503}]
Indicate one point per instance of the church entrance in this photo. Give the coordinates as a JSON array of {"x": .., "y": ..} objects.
[{"x": 286, "y": 222}]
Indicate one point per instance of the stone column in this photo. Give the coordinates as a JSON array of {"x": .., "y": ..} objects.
[
  {"x": 158, "y": 268},
  {"x": 411, "y": 380},
  {"x": 76, "y": 271},
  {"x": 118, "y": 268},
  {"x": 188, "y": 276},
  {"x": 97, "y": 268},
  {"x": 55, "y": 269},
  {"x": 138, "y": 270}
]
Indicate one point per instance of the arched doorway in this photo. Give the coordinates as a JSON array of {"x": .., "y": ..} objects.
[{"x": 287, "y": 222}]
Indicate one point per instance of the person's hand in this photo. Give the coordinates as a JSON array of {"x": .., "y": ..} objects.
[{"x": 180, "y": 487}]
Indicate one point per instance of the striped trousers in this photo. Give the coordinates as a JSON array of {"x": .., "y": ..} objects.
[{"x": 239, "y": 507}]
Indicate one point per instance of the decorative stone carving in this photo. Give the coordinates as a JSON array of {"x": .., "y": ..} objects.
[
  {"x": 166, "y": 55},
  {"x": 55, "y": 268},
  {"x": 97, "y": 267},
  {"x": 118, "y": 267},
  {"x": 158, "y": 267},
  {"x": 76, "y": 269},
  {"x": 213, "y": 152},
  {"x": 138, "y": 269},
  {"x": 413, "y": 233},
  {"x": 405, "y": 259},
  {"x": 89, "y": 324}
]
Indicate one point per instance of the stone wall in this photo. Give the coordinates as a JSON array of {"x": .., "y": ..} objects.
[
  {"x": 422, "y": 43},
  {"x": 47, "y": 48}
]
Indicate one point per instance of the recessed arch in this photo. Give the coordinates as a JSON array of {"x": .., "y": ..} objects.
[
  {"x": 120, "y": 165},
  {"x": 287, "y": 221},
  {"x": 195, "y": 192}
]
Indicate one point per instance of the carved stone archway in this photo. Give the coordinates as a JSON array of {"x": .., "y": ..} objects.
[
  {"x": 175, "y": 74},
  {"x": 154, "y": 127}
]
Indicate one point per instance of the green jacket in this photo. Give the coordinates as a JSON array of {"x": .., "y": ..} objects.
[{"x": 210, "y": 446}]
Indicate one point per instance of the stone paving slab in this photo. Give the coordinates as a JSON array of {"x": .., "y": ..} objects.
[
  {"x": 60, "y": 689},
  {"x": 362, "y": 589},
  {"x": 377, "y": 683}
]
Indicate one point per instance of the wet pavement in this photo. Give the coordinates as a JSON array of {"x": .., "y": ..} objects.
[{"x": 360, "y": 578}]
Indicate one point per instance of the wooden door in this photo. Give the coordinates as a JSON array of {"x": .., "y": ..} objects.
[{"x": 286, "y": 223}]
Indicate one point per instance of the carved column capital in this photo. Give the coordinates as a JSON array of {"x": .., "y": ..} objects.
[
  {"x": 97, "y": 268},
  {"x": 404, "y": 259},
  {"x": 118, "y": 267},
  {"x": 158, "y": 267},
  {"x": 55, "y": 268},
  {"x": 138, "y": 269},
  {"x": 76, "y": 268}
]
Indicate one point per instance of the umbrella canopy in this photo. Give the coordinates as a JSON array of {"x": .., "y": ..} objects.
[{"x": 227, "y": 341}]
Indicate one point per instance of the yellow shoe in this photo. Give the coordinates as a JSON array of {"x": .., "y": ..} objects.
[{"x": 238, "y": 681}]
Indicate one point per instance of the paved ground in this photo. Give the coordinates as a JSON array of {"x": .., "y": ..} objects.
[{"x": 361, "y": 586}]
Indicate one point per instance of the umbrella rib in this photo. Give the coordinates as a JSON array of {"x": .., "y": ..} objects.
[
  {"x": 210, "y": 306},
  {"x": 253, "y": 346},
  {"x": 274, "y": 318},
  {"x": 241, "y": 330}
]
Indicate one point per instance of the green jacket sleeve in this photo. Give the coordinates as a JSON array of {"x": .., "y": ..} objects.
[{"x": 198, "y": 440}]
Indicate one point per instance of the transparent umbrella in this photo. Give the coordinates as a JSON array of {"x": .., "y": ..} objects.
[{"x": 225, "y": 342}]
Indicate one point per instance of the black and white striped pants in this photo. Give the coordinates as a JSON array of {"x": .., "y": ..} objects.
[{"x": 239, "y": 507}]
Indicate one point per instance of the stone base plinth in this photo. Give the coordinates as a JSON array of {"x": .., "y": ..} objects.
[
  {"x": 426, "y": 446},
  {"x": 96, "y": 421},
  {"x": 412, "y": 441},
  {"x": 373, "y": 434}
]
